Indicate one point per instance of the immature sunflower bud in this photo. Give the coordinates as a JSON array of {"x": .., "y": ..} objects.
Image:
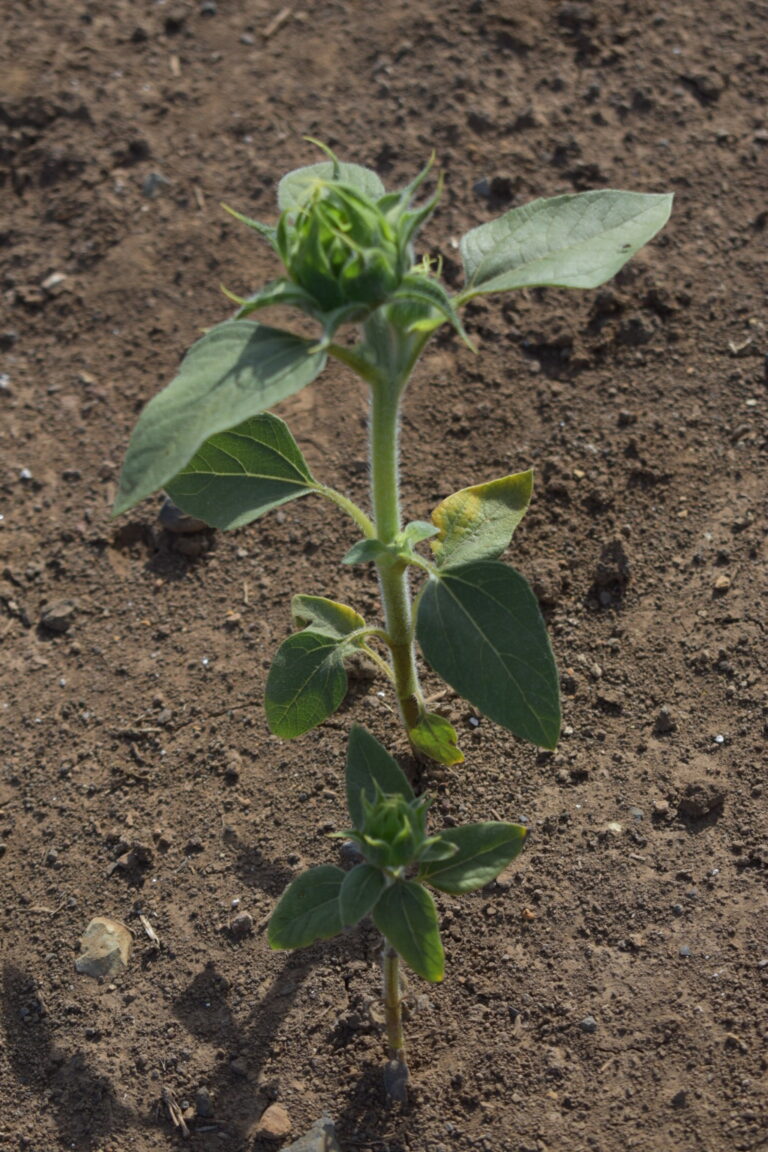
[
  {"x": 342, "y": 249},
  {"x": 394, "y": 831}
]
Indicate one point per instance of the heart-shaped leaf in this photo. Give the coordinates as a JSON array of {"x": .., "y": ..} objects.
[
  {"x": 359, "y": 893},
  {"x": 484, "y": 850},
  {"x": 433, "y": 736},
  {"x": 477, "y": 523},
  {"x": 306, "y": 683},
  {"x": 308, "y": 910},
  {"x": 480, "y": 628},
  {"x": 327, "y": 617},
  {"x": 237, "y": 476},
  {"x": 293, "y": 188},
  {"x": 235, "y": 371}
]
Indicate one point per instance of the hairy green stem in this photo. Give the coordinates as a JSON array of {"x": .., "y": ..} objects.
[
  {"x": 392, "y": 1001},
  {"x": 393, "y": 578}
]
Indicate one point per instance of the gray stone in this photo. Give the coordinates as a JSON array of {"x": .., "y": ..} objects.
[
  {"x": 588, "y": 1024},
  {"x": 59, "y": 616},
  {"x": 203, "y": 1104},
  {"x": 241, "y": 926},
  {"x": 321, "y": 1137},
  {"x": 177, "y": 522},
  {"x": 105, "y": 948}
]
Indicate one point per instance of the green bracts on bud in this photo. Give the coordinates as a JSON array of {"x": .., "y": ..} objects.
[
  {"x": 341, "y": 249},
  {"x": 347, "y": 249},
  {"x": 394, "y": 833}
]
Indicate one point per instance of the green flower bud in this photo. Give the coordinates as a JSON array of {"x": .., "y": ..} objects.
[
  {"x": 394, "y": 830},
  {"x": 342, "y": 249}
]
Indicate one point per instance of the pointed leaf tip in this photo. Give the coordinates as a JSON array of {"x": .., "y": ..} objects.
[{"x": 578, "y": 240}]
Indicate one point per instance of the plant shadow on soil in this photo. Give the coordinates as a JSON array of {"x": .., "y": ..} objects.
[{"x": 72, "y": 1087}]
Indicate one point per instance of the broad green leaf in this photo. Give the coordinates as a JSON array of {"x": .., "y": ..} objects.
[
  {"x": 237, "y": 476},
  {"x": 368, "y": 765},
  {"x": 407, "y": 917},
  {"x": 361, "y": 889},
  {"x": 480, "y": 628},
  {"x": 235, "y": 371},
  {"x": 435, "y": 737},
  {"x": 326, "y": 617},
  {"x": 477, "y": 523},
  {"x": 572, "y": 241},
  {"x": 293, "y": 187},
  {"x": 306, "y": 683},
  {"x": 308, "y": 910},
  {"x": 484, "y": 850}
]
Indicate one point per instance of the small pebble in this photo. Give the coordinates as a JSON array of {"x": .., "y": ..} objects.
[
  {"x": 588, "y": 1024},
  {"x": 664, "y": 722},
  {"x": 241, "y": 926},
  {"x": 105, "y": 948},
  {"x": 203, "y": 1103},
  {"x": 684, "y": 950},
  {"x": 59, "y": 616},
  {"x": 152, "y": 184},
  {"x": 350, "y": 852}
]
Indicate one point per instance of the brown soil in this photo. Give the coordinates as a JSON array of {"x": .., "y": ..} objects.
[{"x": 137, "y": 735}]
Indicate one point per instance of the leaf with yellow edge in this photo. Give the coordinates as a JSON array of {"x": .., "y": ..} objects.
[
  {"x": 433, "y": 736},
  {"x": 478, "y": 523}
]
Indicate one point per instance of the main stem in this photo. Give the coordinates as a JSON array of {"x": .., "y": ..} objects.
[
  {"x": 392, "y": 1002},
  {"x": 393, "y": 577}
]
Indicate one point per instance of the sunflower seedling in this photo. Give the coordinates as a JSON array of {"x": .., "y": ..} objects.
[
  {"x": 347, "y": 246},
  {"x": 401, "y": 860}
]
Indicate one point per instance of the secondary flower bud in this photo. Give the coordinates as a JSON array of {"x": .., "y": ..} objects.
[{"x": 394, "y": 831}]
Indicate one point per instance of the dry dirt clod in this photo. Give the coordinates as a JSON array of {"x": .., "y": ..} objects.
[
  {"x": 701, "y": 798},
  {"x": 275, "y": 1123},
  {"x": 664, "y": 722},
  {"x": 105, "y": 948}
]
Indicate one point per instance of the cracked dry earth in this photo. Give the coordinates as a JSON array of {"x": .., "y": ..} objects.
[{"x": 609, "y": 993}]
